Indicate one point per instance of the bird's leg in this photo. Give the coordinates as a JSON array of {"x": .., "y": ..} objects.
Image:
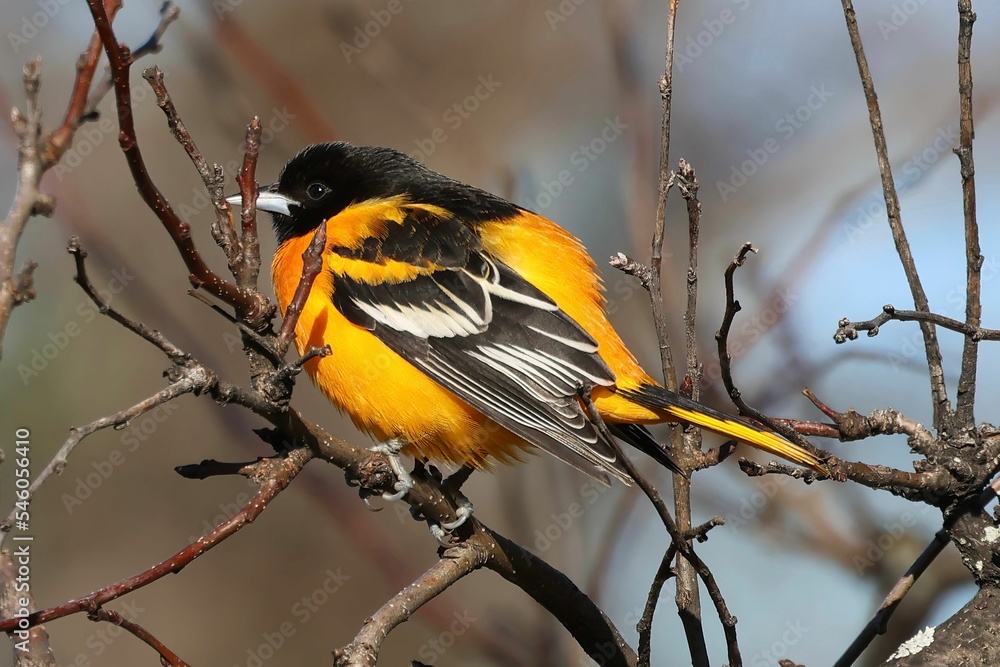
[
  {"x": 464, "y": 506},
  {"x": 391, "y": 448}
]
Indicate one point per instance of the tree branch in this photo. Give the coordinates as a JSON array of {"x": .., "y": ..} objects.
[
  {"x": 273, "y": 475},
  {"x": 966, "y": 396},
  {"x": 687, "y": 451},
  {"x": 456, "y": 562},
  {"x": 939, "y": 394},
  {"x": 848, "y": 330},
  {"x": 665, "y": 182},
  {"x": 167, "y": 657},
  {"x": 250, "y": 303}
]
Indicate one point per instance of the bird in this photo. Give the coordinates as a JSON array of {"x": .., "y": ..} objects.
[{"x": 462, "y": 327}]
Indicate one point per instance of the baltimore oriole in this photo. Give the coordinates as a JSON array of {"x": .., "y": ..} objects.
[{"x": 462, "y": 326}]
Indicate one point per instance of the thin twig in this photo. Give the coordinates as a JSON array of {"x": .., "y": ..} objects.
[
  {"x": 37, "y": 153},
  {"x": 664, "y": 183},
  {"x": 16, "y": 287},
  {"x": 272, "y": 474},
  {"x": 175, "y": 354},
  {"x": 725, "y": 358},
  {"x": 645, "y": 625},
  {"x": 77, "y": 110},
  {"x": 223, "y": 231},
  {"x": 249, "y": 267},
  {"x": 630, "y": 267},
  {"x": 939, "y": 393},
  {"x": 167, "y": 657},
  {"x": 169, "y": 12},
  {"x": 250, "y": 303},
  {"x": 966, "y": 397},
  {"x": 915, "y": 486},
  {"x": 848, "y": 330},
  {"x": 456, "y": 562},
  {"x": 852, "y": 425},
  {"x": 687, "y": 450},
  {"x": 312, "y": 266}
]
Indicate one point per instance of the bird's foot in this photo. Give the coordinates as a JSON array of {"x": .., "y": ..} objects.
[
  {"x": 390, "y": 449},
  {"x": 443, "y": 531}
]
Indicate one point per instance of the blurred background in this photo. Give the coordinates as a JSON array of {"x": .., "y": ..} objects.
[{"x": 554, "y": 105}]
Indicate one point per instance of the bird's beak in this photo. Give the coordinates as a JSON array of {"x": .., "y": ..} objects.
[{"x": 268, "y": 200}]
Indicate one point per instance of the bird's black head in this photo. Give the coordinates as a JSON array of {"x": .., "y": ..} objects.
[{"x": 324, "y": 179}]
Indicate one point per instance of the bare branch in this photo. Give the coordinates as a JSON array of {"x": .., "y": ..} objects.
[
  {"x": 966, "y": 396},
  {"x": 848, "y": 330},
  {"x": 37, "y": 153},
  {"x": 687, "y": 448},
  {"x": 630, "y": 267},
  {"x": 174, "y": 353},
  {"x": 456, "y": 562},
  {"x": 223, "y": 230},
  {"x": 167, "y": 657},
  {"x": 249, "y": 267},
  {"x": 679, "y": 538},
  {"x": 852, "y": 425},
  {"x": 28, "y": 199},
  {"x": 312, "y": 266},
  {"x": 272, "y": 474},
  {"x": 645, "y": 625},
  {"x": 251, "y": 304},
  {"x": 665, "y": 182},
  {"x": 939, "y": 393}
]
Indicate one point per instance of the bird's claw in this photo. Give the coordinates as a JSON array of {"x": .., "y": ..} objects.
[
  {"x": 390, "y": 449},
  {"x": 443, "y": 531}
]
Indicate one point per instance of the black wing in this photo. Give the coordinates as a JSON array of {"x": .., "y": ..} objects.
[{"x": 488, "y": 336}]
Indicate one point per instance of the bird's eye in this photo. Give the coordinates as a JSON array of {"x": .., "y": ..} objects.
[{"x": 317, "y": 191}]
